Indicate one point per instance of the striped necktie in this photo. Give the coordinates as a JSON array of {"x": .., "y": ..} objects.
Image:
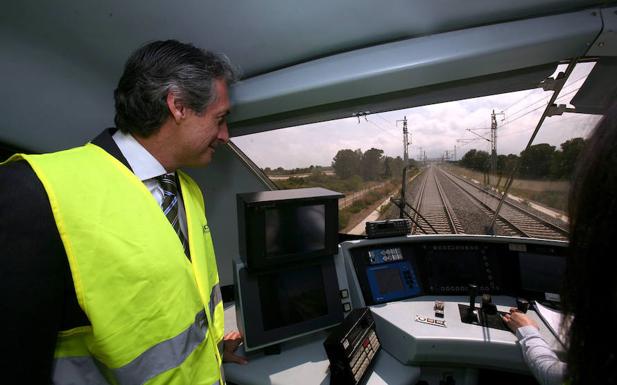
[{"x": 170, "y": 206}]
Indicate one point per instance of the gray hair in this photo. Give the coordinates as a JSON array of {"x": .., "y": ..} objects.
[{"x": 161, "y": 67}]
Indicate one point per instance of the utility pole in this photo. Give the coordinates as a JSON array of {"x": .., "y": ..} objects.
[
  {"x": 455, "y": 152},
  {"x": 494, "y": 141},
  {"x": 406, "y": 141}
]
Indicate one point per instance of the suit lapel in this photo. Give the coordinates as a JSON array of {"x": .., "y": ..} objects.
[{"x": 107, "y": 143}]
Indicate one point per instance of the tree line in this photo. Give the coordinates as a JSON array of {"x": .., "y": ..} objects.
[
  {"x": 352, "y": 169},
  {"x": 539, "y": 161},
  {"x": 298, "y": 170},
  {"x": 370, "y": 165}
]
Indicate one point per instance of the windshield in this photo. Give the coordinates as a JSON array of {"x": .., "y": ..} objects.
[{"x": 459, "y": 157}]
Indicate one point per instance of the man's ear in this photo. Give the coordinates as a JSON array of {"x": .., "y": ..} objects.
[{"x": 176, "y": 109}]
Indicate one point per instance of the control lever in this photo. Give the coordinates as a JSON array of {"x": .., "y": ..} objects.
[
  {"x": 487, "y": 317},
  {"x": 488, "y": 307},
  {"x": 473, "y": 290}
]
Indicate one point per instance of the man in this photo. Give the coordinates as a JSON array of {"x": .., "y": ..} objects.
[{"x": 108, "y": 270}]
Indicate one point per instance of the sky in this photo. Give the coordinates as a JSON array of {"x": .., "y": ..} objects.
[{"x": 434, "y": 129}]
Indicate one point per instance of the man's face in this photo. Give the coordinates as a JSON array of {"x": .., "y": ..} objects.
[{"x": 199, "y": 134}]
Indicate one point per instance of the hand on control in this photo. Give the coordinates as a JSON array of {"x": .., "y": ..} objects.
[{"x": 516, "y": 319}]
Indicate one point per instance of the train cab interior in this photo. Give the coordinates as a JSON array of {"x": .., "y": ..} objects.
[{"x": 410, "y": 157}]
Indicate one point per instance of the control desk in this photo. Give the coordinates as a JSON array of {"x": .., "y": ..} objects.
[{"x": 418, "y": 290}]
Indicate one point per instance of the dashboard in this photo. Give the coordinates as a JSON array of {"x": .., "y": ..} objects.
[
  {"x": 426, "y": 312},
  {"x": 416, "y": 288},
  {"x": 396, "y": 269}
]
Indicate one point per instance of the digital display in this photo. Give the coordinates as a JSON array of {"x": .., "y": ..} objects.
[
  {"x": 392, "y": 281},
  {"x": 295, "y": 229},
  {"x": 452, "y": 267},
  {"x": 291, "y": 297},
  {"x": 389, "y": 280},
  {"x": 457, "y": 268},
  {"x": 377, "y": 256},
  {"x": 541, "y": 273}
]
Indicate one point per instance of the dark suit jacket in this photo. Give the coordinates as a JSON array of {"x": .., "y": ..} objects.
[{"x": 38, "y": 296}]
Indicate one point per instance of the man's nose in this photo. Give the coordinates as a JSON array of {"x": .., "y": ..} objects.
[{"x": 223, "y": 135}]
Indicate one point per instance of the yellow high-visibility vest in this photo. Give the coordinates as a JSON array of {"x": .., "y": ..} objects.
[{"x": 156, "y": 317}]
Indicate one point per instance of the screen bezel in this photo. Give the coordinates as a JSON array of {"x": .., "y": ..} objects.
[
  {"x": 255, "y": 335},
  {"x": 257, "y": 258}
]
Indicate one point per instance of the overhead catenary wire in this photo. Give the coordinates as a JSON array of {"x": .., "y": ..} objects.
[
  {"x": 543, "y": 97},
  {"x": 384, "y": 119},
  {"x": 542, "y": 104},
  {"x": 467, "y": 142},
  {"x": 535, "y": 90},
  {"x": 549, "y": 123},
  {"x": 535, "y": 109},
  {"x": 381, "y": 128}
]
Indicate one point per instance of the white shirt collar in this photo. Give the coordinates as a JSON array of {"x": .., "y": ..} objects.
[{"x": 144, "y": 165}]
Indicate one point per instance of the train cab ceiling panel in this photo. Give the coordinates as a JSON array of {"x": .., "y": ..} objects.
[{"x": 61, "y": 60}]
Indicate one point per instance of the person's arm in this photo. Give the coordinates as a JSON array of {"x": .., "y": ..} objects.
[
  {"x": 541, "y": 360},
  {"x": 32, "y": 277}
]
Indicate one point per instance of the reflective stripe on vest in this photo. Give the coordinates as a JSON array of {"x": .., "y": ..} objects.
[
  {"x": 137, "y": 288},
  {"x": 77, "y": 371},
  {"x": 164, "y": 356},
  {"x": 215, "y": 298},
  {"x": 156, "y": 360}
]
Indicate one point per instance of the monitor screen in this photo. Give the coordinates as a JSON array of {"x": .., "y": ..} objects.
[
  {"x": 284, "y": 227},
  {"x": 456, "y": 269},
  {"x": 389, "y": 280},
  {"x": 280, "y": 305},
  {"x": 292, "y": 297},
  {"x": 295, "y": 229},
  {"x": 541, "y": 273}
]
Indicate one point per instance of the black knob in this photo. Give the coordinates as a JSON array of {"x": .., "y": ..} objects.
[
  {"x": 488, "y": 307},
  {"x": 522, "y": 305}
]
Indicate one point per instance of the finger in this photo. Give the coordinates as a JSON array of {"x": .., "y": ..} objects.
[
  {"x": 230, "y": 357},
  {"x": 233, "y": 335},
  {"x": 232, "y": 346}
]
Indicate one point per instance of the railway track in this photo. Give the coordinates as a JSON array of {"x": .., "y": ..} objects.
[
  {"x": 435, "y": 208},
  {"x": 513, "y": 219}
]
